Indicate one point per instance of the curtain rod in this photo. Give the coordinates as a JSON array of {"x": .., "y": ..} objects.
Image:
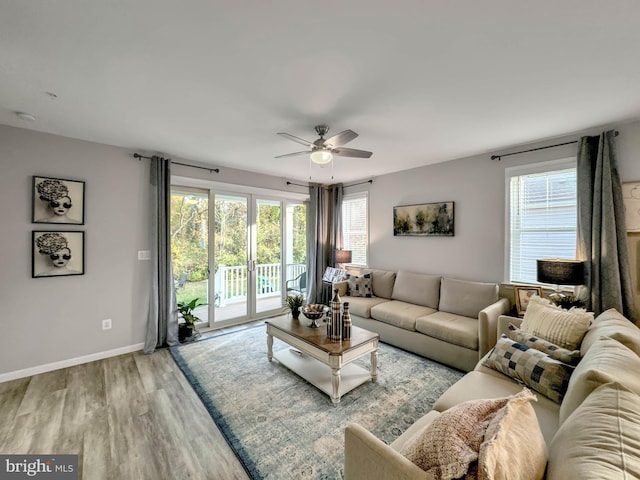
[
  {"x": 217, "y": 170},
  {"x": 344, "y": 186},
  {"x": 499, "y": 157}
]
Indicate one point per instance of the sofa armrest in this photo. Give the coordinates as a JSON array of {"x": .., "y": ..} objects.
[
  {"x": 342, "y": 288},
  {"x": 368, "y": 458},
  {"x": 488, "y": 325},
  {"x": 504, "y": 321}
]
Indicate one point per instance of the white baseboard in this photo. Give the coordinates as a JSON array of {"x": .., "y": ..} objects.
[{"x": 27, "y": 372}]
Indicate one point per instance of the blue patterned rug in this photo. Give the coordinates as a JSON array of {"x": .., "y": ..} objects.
[{"x": 282, "y": 427}]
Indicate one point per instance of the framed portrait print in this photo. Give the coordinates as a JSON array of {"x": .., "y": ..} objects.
[
  {"x": 424, "y": 220},
  {"x": 523, "y": 294},
  {"x": 57, "y": 254},
  {"x": 57, "y": 200}
]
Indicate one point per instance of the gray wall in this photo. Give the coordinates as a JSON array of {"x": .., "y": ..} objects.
[
  {"x": 477, "y": 186},
  {"x": 52, "y": 322},
  {"x": 47, "y": 320}
]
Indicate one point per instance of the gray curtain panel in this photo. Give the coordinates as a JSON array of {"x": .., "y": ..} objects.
[
  {"x": 602, "y": 236},
  {"x": 162, "y": 322},
  {"x": 324, "y": 233},
  {"x": 317, "y": 241},
  {"x": 335, "y": 218}
]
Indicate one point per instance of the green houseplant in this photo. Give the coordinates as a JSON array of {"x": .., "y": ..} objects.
[
  {"x": 185, "y": 309},
  {"x": 295, "y": 302}
]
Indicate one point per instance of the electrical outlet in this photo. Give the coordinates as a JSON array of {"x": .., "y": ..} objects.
[
  {"x": 106, "y": 324},
  {"x": 144, "y": 255}
]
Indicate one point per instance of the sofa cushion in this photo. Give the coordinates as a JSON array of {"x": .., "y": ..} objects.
[
  {"x": 361, "y": 306},
  {"x": 532, "y": 367},
  {"x": 606, "y": 361},
  {"x": 451, "y": 328},
  {"x": 565, "y": 328},
  {"x": 359, "y": 286},
  {"x": 466, "y": 298},
  {"x": 513, "y": 447},
  {"x": 417, "y": 288},
  {"x": 382, "y": 282},
  {"x": 600, "y": 439},
  {"x": 447, "y": 446},
  {"x": 477, "y": 385},
  {"x": 572, "y": 357},
  {"x": 613, "y": 324},
  {"x": 399, "y": 314}
]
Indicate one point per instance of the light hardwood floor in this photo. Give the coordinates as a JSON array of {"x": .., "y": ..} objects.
[{"x": 128, "y": 417}]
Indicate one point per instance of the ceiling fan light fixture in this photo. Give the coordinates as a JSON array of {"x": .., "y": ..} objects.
[{"x": 321, "y": 157}]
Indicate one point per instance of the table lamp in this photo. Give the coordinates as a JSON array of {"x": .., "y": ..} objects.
[
  {"x": 342, "y": 256},
  {"x": 560, "y": 272}
]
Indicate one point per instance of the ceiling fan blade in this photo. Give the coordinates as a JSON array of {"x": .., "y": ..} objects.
[
  {"x": 299, "y": 140},
  {"x": 341, "y": 138},
  {"x": 351, "y": 152},
  {"x": 293, "y": 154}
]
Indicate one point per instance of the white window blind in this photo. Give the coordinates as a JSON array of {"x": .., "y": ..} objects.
[
  {"x": 355, "y": 236},
  {"x": 542, "y": 217}
]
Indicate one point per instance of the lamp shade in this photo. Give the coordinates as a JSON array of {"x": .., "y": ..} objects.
[
  {"x": 342, "y": 256},
  {"x": 321, "y": 157},
  {"x": 560, "y": 272}
]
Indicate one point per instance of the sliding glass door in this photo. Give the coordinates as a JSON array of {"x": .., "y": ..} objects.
[
  {"x": 238, "y": 252},
  {"x": 268, "y": 255},
  {"x": 190, "y": 247},
  {"x": 231, "y": 256}
]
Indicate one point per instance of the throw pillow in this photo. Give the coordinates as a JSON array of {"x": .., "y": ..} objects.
[
  {"x": 600, "y": 439},
  {"x": 513, "y": 447},
  {"x": 359, "y": 286},
  {"x": 572, "y": 357},
  {"x": 532, "y": 367},
  {"x": 448, "y": 446},
  {"x": 565, "y": 328},
  {"x": 613, "y": 324},
  {"x": 606, "y": 361}
]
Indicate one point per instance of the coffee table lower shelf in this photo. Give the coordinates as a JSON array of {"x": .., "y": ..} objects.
[{"x": 319, "y": 374}]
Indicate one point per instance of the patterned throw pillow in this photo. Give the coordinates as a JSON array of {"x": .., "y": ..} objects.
[
  {"x": 565, "y": 328},
  {"x": 450, "y": 445},
  {"x": 572, "y": 357},
  {"x": 536, "y": 369},
  {"x": 359, "y": 286}
]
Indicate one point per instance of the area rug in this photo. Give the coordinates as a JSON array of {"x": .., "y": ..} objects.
[{"x": 282, "y": 427}]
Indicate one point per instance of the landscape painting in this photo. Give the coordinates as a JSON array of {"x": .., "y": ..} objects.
[{"x": 427, "y": 219}]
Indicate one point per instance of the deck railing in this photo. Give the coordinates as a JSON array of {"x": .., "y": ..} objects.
[{"x": 231, "y": 282}]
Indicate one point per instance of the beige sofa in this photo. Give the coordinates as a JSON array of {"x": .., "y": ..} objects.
[
  {"x": 593, "y": 434},
  {"x": 448, "y": 320}
]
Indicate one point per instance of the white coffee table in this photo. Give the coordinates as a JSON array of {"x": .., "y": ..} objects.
[{"x": 326, "y": 365}]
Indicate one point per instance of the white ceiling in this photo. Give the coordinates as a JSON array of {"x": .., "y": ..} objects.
[{"x": 421, "y": 81}]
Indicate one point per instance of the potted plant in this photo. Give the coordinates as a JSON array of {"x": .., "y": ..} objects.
[
  {"x": 295, "y": 302},
  {"x": 185, "y": 309}
]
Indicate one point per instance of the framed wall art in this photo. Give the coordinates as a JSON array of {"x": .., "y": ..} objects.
[
  {"x": 426, "y": 219},
  {"x": 58, "y": 200},
  {"x": 523, "y": 294},
  {"x": 57, "y": 254},
  {"x": 631, "y": 200}
]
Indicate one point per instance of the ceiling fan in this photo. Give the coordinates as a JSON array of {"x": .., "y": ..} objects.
[{"x": 322, "y": 150}]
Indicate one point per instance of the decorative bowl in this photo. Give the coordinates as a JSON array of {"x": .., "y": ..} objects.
[{"x": 314, "y": 312}]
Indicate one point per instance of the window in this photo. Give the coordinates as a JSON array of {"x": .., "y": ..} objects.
[
  {"x": 541, "y": 216},
  {"x": 355, "y": 228}
]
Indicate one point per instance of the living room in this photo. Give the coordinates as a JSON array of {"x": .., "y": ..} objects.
[
  {"x": 57, "y": 331},
  {"x": 55, "y": 323}
]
